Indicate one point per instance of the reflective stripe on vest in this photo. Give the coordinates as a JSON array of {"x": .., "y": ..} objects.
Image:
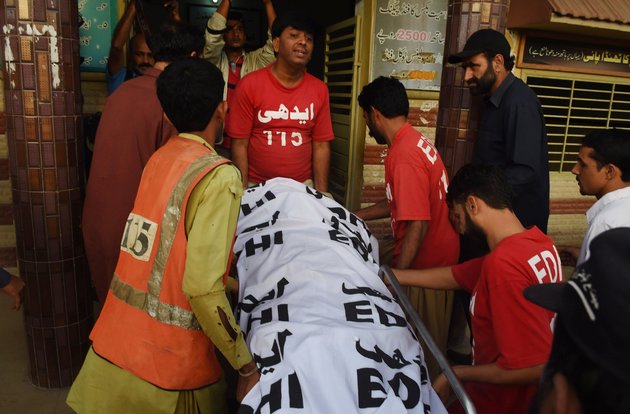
[{"x": 149, "y": 301}]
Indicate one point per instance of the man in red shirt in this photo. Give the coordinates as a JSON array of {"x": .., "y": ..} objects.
[
  {"x": 512, "y": 337},
  {"x": 416, "y": 184},
  {"x": 280, "y": 121}
]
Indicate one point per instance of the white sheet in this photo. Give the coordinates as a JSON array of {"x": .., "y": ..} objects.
[{"x": 323, "y": 327}]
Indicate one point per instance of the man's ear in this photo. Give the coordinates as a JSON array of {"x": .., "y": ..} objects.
[
  {"x": 221, "y": 111},
  {"x": 612, "y": 171},
  {"x": 376, "y": 114},
  {"x": 498, "y": 62},
  {"x": 276, "y": 44},
  {"x": 472, "y": 205}
]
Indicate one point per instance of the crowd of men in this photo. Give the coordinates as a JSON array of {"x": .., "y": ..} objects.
[{"x": 198, "y": 119}]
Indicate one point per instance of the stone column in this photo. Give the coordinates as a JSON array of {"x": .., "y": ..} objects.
[
  {"x": 42, "y": 93},
  {"x": 458, "y": 115}
]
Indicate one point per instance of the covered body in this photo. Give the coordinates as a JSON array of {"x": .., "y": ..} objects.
[{"x": 324, "y": 329}]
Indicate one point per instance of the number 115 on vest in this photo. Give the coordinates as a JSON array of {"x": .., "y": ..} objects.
[{"x": 138, "y": 237}]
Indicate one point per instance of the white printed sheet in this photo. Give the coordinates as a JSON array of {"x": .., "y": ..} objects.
[{"x": 322, "y": 326}]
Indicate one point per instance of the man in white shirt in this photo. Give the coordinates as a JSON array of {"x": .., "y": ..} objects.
[{"x": 603, "y": 170}]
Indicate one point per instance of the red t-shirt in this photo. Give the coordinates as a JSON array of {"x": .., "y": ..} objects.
[
  {"x": 508, "y": 329},
  {"x": 280, "y": 123},
  {"x": 416, "y": 184}
]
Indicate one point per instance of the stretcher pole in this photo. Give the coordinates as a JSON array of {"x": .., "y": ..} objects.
[{"x": 458, "y": 389}]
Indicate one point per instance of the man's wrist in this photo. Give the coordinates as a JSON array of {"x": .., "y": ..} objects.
[{"x": 248, "y": 369}]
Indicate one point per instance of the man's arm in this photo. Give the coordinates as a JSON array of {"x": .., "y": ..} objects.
[
  {"x": 263, "y": 56},
  {"x": 524, "y": 136},
  {"x": 239, "y": 157},
  {"x": 375, "y": 211},
  {"x": 271, "y": 12},
  {"x": 321, "y": 165},
  {"x": 12, "y": 286},
  {"x": 489, "y": 374},
  {"x": 213, "y": 35},
  {"x": 214, "y": 204},
  {"x": 224, "y": 8},
  {"x": 414, "y": 235},
  {"x": 116, "y": 58},
  {"x": 434, "y": 278}
]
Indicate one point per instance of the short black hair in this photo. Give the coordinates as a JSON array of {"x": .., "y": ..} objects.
[
  {"x": 295, "y": 19},
  {"x": 235, "y": 15},
  {"x": 485, "y": 181},
  {"x": 388, "y": 95},
  {"x": 175, "y": 40},
  {"x": 610, "y": 146},
  {"x": 190, "y": 90}
]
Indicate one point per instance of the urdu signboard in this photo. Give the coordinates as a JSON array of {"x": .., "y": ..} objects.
[
  {"x": 564, "y": 55},
  {"x": 409, "y": 42}
]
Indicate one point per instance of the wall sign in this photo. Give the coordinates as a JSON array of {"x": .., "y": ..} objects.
[
  {"x": 563, "y": 55},
  {"x": 409, "y": 42}
]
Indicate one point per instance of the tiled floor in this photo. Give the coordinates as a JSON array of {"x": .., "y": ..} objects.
[{"x": 17, "y": 394}]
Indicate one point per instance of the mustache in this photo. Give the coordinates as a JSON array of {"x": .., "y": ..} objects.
[{"x": 145, "y": 65}]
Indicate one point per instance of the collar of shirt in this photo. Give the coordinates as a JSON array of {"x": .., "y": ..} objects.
[
  {"x": 606, "y": 200},
  {"x": 198, "y": 139},
  {"x": 497, "y": 96},
  {"x": 401, "y": 132}
]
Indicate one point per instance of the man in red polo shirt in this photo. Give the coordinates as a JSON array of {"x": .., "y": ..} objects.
[
  {"x": 512, "y": 337},
  {"x": 416, "y": 184}
]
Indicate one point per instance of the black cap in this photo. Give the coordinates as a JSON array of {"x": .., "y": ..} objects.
[
  {"x": 594, "y": 304},
  {"x": 484, "y": 40}
]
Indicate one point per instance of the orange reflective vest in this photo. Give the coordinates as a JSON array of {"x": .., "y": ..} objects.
[{"x": 147, "y": 326}]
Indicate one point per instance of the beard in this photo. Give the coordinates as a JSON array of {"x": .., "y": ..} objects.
[
  {"x": 472, "y": 230},
  {"x": 380, "y": 138},
  {"x": 483, "y": 85}
]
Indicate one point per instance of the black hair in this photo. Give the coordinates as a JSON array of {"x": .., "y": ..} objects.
[
  {"x": 295, "y": 19},
  {"x": 235, "y": 15},
  {"x": 190, "y": 90},
  {"x": 387, "y": 95},
  {"x": 175, "y": 40},
  {"x": 597, "y": 390},
  {"x": 487, "y": 182},
  {"x": 610, "y": 146},
  {"x": 508, "y": 61}
]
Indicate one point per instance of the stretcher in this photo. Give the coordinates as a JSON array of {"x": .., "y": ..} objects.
[{"x": 386, "y": 273}]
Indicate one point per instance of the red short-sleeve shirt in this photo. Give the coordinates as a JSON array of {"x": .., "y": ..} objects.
[
  {"x": 508, "y": 329},
  {"x": 281, "y": 124}
]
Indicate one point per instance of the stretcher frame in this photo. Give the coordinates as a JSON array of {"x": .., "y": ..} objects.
[{"x": 386, "y": 273}]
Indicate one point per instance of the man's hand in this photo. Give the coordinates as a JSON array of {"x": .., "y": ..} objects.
[
  {"x": 568, "y": 255},
  {"x": 442, "y": 388},
  {"x": 14, "y": 289},
  {"x": 172, "y": 7},
  {"x": 248, "y": 377}
]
